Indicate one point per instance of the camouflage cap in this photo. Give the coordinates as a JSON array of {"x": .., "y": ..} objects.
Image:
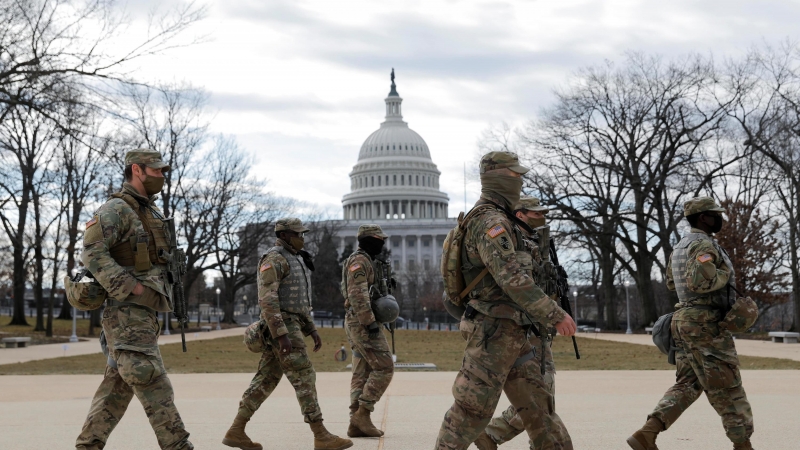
[
  {"x": 371, "y": 229},
  {"x": 531, "y": 204},
  {"x": 291, "y": 224},
  {"x": 150, "y": 158},
  {"x": 501, "y": 160},
  {"x": 700, "y": 204}
]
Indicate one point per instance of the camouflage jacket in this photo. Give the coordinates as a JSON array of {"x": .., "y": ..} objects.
[
  {"x": 706, "y": 273},
  {"x": 493, "y": 241},
  {"x": 274, "y": 268},
  {"x": 116, "y": 224},
  {"x": 358, "y": 275}
]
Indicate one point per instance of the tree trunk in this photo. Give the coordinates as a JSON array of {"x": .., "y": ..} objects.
[{"x": 793, "y": 247}]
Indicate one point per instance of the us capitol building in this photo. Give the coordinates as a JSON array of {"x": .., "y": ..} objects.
[{"x": 396, "y": 185}]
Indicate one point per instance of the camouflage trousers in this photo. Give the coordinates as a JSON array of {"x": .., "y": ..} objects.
[
  {"x": 132, "y": 334},
  {"x": 373, "y": 367},
  {"x": 707, "y": 362},
  {"x": 273, "y": 366},
  {"x": 488, "y": 369},
  {"x": 509, "y": 425}
]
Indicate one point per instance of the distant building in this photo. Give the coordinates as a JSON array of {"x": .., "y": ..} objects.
[{"x": 396, "y": 185}]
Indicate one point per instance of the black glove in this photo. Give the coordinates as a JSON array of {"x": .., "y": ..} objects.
[
  {"x": 374, "y": 330},
  {"x": 392, "y": 283}
]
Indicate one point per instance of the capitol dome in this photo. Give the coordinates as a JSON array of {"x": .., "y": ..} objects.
[{"x": 394, "y": 177}]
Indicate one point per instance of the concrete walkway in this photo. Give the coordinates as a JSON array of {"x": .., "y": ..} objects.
[
  {"x": 600, "y": 408},
  {"x": 746, "y": 347},
  {"x": 92, "y": 345}
]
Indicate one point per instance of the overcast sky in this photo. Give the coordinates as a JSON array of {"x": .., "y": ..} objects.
[{"x": 301, "y": 84}]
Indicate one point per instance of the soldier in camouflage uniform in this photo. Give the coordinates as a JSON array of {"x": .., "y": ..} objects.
[
  {"x": 700, "y": 271},
  {"x": 500, "y": 310},
  {"x": 509, "y": 425},
  {"x": 123, "y": 248},
  {"x": 372, "y": 361},
  {"x": 284, "y": 295}
]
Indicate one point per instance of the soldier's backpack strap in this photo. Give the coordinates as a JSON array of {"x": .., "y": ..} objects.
[
  {"x": 138, "y": 252},
  {"x": 463, "y": 225}
]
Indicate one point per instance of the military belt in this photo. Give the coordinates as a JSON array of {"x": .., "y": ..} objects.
[{"x": 111, "y": 302}]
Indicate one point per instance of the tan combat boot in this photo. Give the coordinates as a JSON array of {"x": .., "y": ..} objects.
[
  {"x": 743, "y": 446},
  {"x": 361, "y": 421},
  {"x": 353, "y": 431},
  {"x": 485, "y": 442},
  {"x": 324, "y": 440},
  {"x": 236, "y": 437},
  {"x": 645, "y": 438}
]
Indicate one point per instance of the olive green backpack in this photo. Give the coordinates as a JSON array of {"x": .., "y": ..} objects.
[{"x": 455, "y": 288}]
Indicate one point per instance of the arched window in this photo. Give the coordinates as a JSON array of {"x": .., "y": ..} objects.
[{"x": 387, "y": 180}]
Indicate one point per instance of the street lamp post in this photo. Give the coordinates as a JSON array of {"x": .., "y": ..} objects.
[
  {"x": 74, "y": 337},
  {"x": 575, "y": 311},
  {"x": 166, "y": 324},
  {"x": 628, "y": 307},
  {"x": 218, "y": 327}
]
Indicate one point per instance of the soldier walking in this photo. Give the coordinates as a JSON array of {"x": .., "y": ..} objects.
[
  {"x": 509, "y": 425},
  {"x": 501, "y": 307},
  {"x": 284, "y": 295},
  {"x": 700, "y": 272},
  {"x": 124, "y": 248},
  {"x": 372, "y": 361}
]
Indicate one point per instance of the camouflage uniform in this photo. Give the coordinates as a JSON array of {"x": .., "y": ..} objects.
[
  {"x": 373, "y": 367},
  {"x": 700, "y": 271},
  {"x": 506, "y": 302},
  {"x": 284, "y": 295},
  {"x": 120, "y": 248},
  {"x": 509, "y": 425}
]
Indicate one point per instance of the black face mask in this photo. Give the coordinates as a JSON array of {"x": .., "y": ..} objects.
[
  {"x": 371, "y": 245},
  {"x": 717, "y": 227}
]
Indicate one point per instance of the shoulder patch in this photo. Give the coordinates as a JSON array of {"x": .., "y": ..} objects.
[
  {"x": 495, "y": 231},
  {"x": 265, "y": 267},
  {"x": 355, "y": 267},
  {"x": 91, "y": 222},
  {"x": 705, "y": 257}
]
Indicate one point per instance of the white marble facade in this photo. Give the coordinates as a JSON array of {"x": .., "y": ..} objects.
[{"x": 396, "y": 185}]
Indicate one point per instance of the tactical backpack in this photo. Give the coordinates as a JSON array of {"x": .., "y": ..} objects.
[{"x": 450, "y": 267}]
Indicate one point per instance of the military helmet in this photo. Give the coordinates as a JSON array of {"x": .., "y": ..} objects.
[
  {"x": 701, "y": 204},
  {"x": 148, "y": 157},
  {"x": 531, "y": 204},
  {"x": 291, "y": 224},
  {"x": 457, "y": 312},
  {"x": 371, "y": 229},
  {"x": 254, "y": 336},
  {"x": 742, "y": 316},
  {"x": 385, "y": 309},
  {"x": 501, "y": 160}
]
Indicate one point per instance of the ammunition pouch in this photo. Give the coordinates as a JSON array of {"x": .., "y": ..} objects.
[{"x": 84, "y": 296}]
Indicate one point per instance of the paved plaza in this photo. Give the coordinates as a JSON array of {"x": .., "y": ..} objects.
[{"x": 601, "y": 408}]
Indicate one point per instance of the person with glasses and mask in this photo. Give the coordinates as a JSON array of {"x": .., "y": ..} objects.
[
  {"x": 284, "y": 295},
  {"x": 373, "y": 367},
  {"x": 124, "y": 248},
  {"x": 700, "y": 272}
]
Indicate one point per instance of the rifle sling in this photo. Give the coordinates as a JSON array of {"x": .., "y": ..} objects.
[{"x": 474, "y": 283}]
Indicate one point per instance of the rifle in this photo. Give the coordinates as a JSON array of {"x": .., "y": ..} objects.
[
  {"x": 556, "y": 275},
  {"x": 176, "y": 269}
]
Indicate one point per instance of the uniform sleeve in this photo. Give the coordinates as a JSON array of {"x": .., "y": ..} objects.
[
  {"x": 358, "y": 273},
  {"x": 706, "y": 271},
  {"x": 271, "y": 270},
  {"x": 496, "y": 247},
  {"x": 670, "y": 278},
  {"x": 107, "y": 228}
]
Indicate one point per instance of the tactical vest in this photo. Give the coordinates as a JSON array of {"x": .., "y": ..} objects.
[
  {"x": 680, "y": 256},
  {"x": 373, "y": 286},
  {"x": 149, "y": 242},
  {"x": 487, "y": 288},
  {"x": 294, "y": 292}
]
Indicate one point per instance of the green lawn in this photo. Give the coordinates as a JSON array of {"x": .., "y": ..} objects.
[{"x": 439, "y": 347}]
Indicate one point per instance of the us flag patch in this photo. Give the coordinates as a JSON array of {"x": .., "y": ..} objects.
[
  {"x": 91, "y": 222},
  {"x": 355, "y": 267},
  {"x": 704, "y": 258},
  {"x": 495, "y": 231},
  {"x": 265, "y": 267}
]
